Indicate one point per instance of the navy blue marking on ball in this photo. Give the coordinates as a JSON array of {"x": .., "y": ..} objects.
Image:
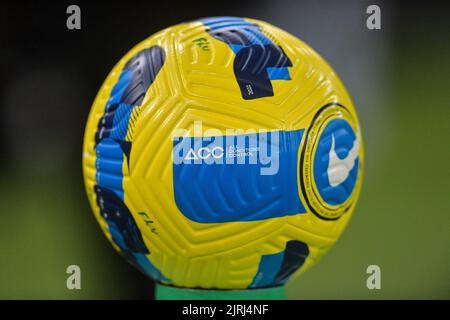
[
  {"x": 275, "y": 269},
  {"x": 123, "y": 228},
  {"x": 112, "y": 149},
  {"x": 144, "y": 66},
  {"x": 251, "y": 69},
  {"x": 295, "y": 255},
  {"x": 258, "y": 60}
]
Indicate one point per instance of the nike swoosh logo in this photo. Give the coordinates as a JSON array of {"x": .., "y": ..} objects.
[{"x": 339, "y": 169}]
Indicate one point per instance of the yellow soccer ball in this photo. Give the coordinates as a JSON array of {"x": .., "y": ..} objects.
[{"x": 222, "y": 153}]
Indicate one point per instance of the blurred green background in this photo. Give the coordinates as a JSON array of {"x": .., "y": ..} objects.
[{"x": 397, "y": 76}]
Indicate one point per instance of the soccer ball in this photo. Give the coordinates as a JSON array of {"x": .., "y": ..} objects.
[{"x": 222, "y": 153}]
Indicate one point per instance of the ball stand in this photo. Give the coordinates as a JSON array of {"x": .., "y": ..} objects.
[{"x": 163, "y": 292}]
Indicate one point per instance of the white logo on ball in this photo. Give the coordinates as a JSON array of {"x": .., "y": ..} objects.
[
  {"x": 339, "y": 169},
  {"x": 204, "y": 153}
]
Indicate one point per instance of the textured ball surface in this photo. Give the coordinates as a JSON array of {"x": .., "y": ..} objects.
[{"x": 222, "y": 153}]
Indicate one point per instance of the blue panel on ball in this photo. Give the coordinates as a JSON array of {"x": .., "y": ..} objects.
[
  {"x": 275, "y": 269},
  {"x": 120, "y": 121},
  {"x": 338, "y": 137},
  {"x": 278, "y": 74},
  {"x": 237, "y": 178},
  {"x": 267, "y": 270},
  {"x": 118, "y": 89},
  {"x": 112, "y": 149}
]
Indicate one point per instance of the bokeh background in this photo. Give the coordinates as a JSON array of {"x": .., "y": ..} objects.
[{"x": 399, "y": 80}]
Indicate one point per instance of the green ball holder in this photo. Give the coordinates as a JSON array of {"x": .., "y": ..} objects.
[{"x": 163, "y": 292}]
